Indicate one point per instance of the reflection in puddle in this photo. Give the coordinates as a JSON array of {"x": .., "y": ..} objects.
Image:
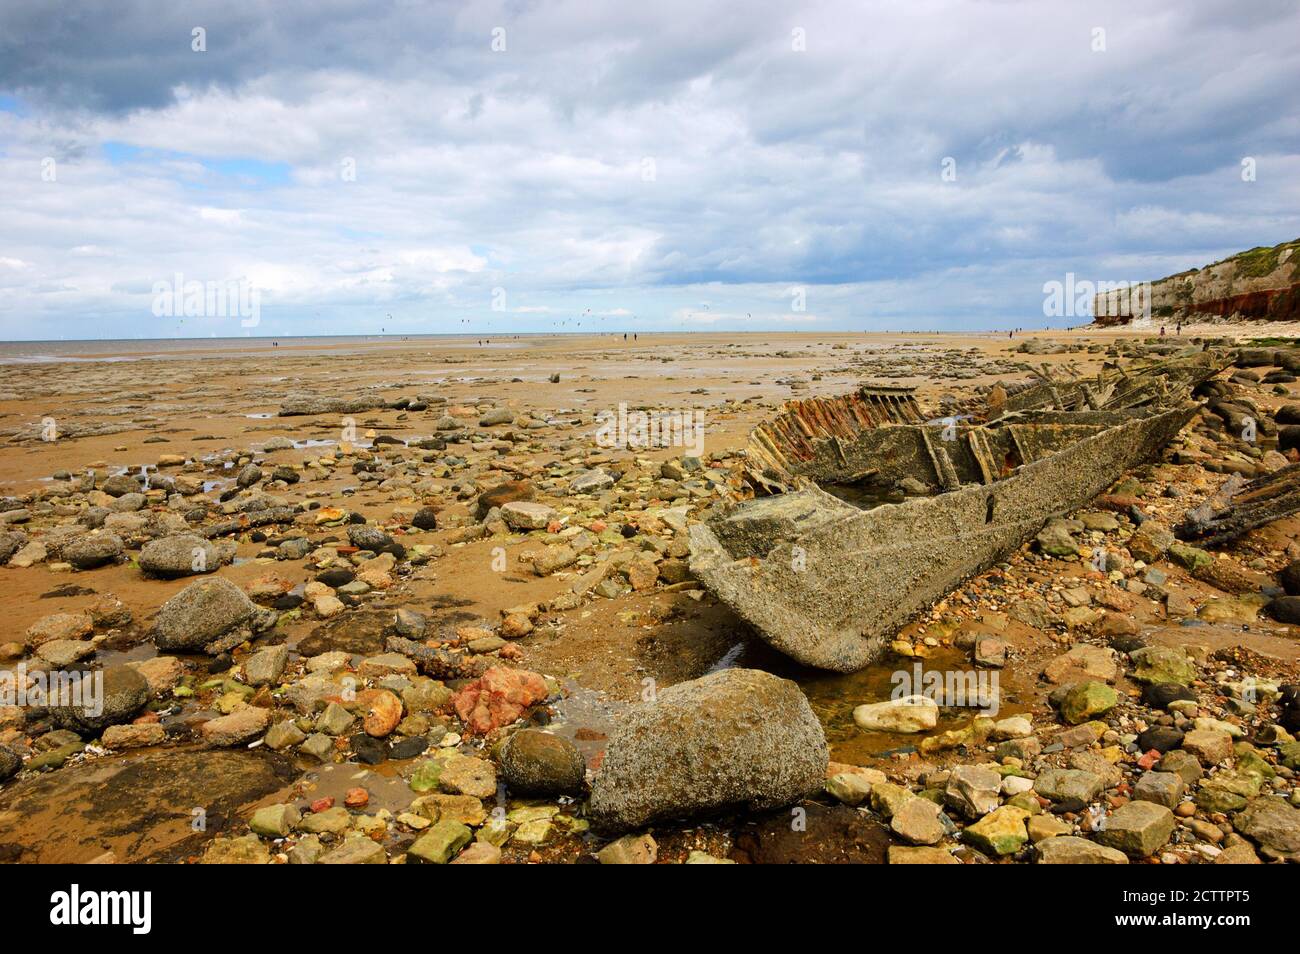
[
  {"x": 585, "y": 717},
  {"x": 387, "y": 789},
  {"x": 833, "y": 696}
]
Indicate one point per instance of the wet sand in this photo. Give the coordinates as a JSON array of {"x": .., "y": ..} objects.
[{"x": 123, "y": 408}]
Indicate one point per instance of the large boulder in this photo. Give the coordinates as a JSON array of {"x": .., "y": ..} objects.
[
  {"x": 95, "y": 706},
  {"x": 92, "y": 550},
  {"x": 1161, "y": 664},
  {"x": 1071, "y": 850},
  {"x": 10, "y": 763},
  {"x": 1139, "y": 829},
  {"x": 242, "y": 725},
  {"x": 735, "y": 739},
  {"x": 1151, "y": 541},
  {"x": 59, "y": 627},
  {"x": 526, "y": 515},
  {"x": 182, "y": 555},
  {"x": 301, "y": 405},
  {"x": 1288, "y": 576},
  {"x": 201, "y": 614}
]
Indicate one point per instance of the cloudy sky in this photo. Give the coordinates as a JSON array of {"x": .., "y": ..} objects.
[{"x": 493, "y": 167}]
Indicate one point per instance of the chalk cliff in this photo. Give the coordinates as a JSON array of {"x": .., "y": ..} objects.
[{"x": 1260, "y": 284}]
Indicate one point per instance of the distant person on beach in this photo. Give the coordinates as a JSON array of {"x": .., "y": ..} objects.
[{"x": 1162, "y": 331}]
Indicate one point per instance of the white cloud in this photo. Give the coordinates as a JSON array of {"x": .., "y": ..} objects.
[
  {"x": 527, "y": 170},
  {"x": 221, "y": 216}
]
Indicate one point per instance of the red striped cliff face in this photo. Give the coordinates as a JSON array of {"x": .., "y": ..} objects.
[
  {"x": 1273, "y": 304},
  {"x": 1262, "y": 284}
]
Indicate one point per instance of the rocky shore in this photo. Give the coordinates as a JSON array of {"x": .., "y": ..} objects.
[{"x": 388, "y": 621}]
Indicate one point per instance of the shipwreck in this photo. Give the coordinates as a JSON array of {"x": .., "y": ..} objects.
[{"x": 866, "y": 512}]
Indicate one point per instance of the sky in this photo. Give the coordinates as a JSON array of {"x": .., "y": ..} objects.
[{"x": 289, "y": 167}]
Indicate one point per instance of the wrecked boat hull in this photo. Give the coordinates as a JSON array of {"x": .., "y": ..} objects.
[
  {"x": 829, "y": 584},
  {"x": 1121, "y": 387},
  {"x": 852, "y": 436}
]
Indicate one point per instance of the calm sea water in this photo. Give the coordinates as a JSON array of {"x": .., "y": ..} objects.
[{"x": 133, "y": 349}]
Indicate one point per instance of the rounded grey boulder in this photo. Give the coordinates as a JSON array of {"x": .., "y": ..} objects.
[
  {"x": 92, "y": 550},
  {"x": 185, "y": 554},
  {"x": 201, "y": 613},
  {"x": 125, "y": 693},
  {"x": 120, "y": 484},
  {"x": 735, "y": 739},
  {"x": 541, "y": 763}
]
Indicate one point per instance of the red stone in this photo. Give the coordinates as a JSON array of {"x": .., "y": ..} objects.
[
  {"x": 323, "y": 804},
  {"x": 497, "y": 698},
  {"x": 356, "y": 798}
]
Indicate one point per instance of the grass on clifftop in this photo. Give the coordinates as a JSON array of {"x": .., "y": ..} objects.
[{"x": 1260, "y": 261}]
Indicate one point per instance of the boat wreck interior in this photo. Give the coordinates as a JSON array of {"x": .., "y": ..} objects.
[{"x": 864, "y": 510}]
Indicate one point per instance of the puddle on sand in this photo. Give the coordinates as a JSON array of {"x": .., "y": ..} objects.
[
  {"x": 386, "y": 787},
  {"x": 833, "y": 696},
  {"x": 139, "y": 805},
  {"x": 108, "y": 658},
  {"x": 585, "y": 717},
  {"x": 105, "y": 658}
]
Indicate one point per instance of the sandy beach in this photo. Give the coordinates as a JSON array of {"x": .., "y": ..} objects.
[{"x": 394, "y": 462}]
